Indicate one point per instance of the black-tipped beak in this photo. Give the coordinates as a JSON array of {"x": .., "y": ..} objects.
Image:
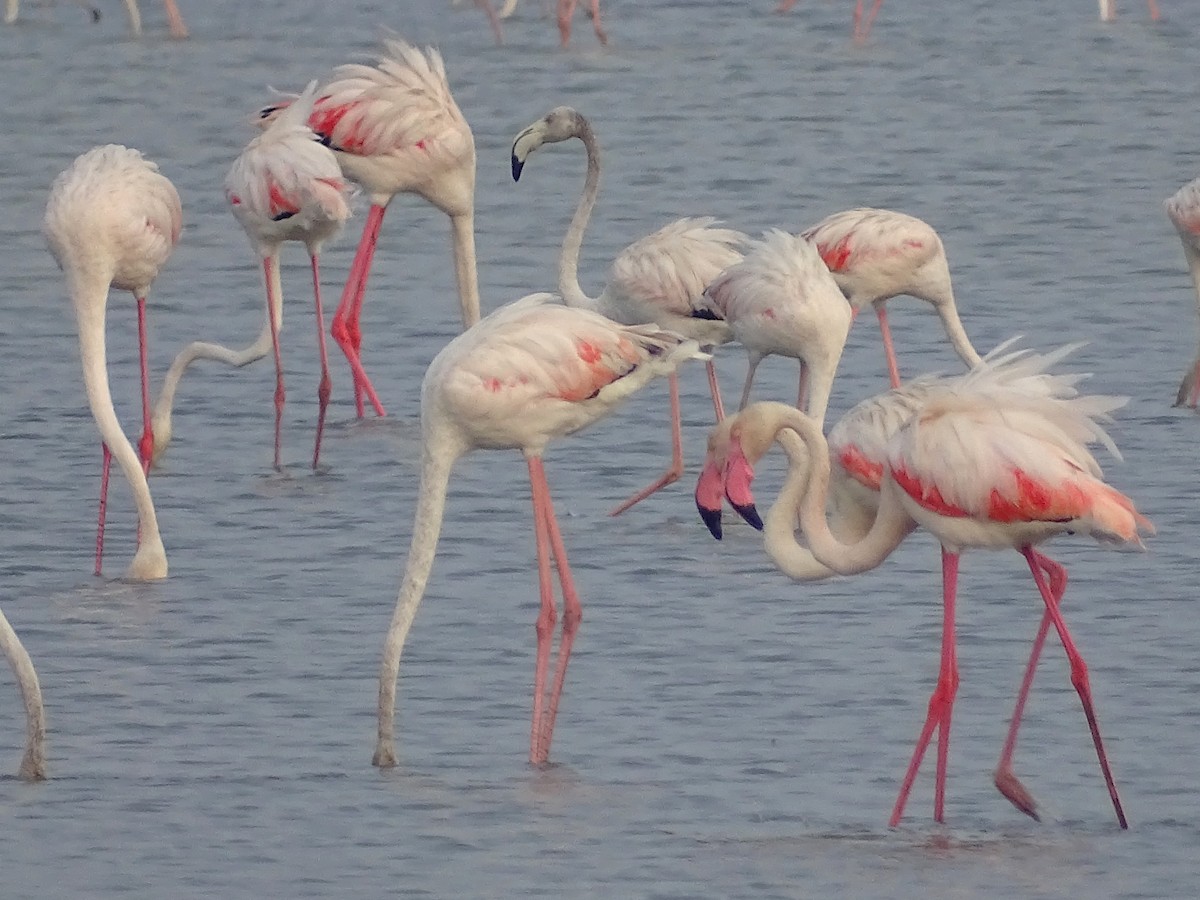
[
  {"x": 750, "y": 514},
  {"x": 517, "y": 166},
  {"x": 712, "y": 518}
]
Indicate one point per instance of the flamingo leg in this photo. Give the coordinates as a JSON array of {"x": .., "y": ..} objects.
[
  {"x": 146, "y": 444},
  {"x": 941, "y": 702},
  {"x": 888, "y": 348},
  {"x": 1153, "y": 10},
  {"x": 493, "y": 19},
  {"x": 599, "y": 29},
  {"x": 862, "y": 26},
  {"x": 750, "y": 370},
  {"x": 280, "y": 394},
  {"x": 802, "y": 387},
  {"x": 175, "y": 20},
  {"x": 325, "y": 388},
  {"x": 548, "y": 615},
  {"x": 1193, "y": 392},
  {"x": 1006, "y": 780},
  {"x": 785, "y": 5},
  {"x": 345, "y": 327},
  {"x": 676, "y": 468},
  {"x": 105, "y": 467},
  {"x": 572, "y": 614},
  {"x": 566, "y": 9},
  {"x": 1079, "y": 677},
  {"x": 714, "y": 388}
]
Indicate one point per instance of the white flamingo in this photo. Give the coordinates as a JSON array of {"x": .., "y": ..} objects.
[
  {"x": 112, "y": 221},
  {"x": 658, "y": 278},
  {"x": 528, "y": 373}
]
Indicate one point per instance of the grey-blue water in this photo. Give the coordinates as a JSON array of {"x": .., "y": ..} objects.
[{"x": 724, "y": 732}]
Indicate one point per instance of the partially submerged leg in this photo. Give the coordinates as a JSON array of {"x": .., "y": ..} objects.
[
  {"x": 273, "y": 318},
  {"x": 325, "y": 388},
  {"x": 105, "y": 468},
  {"x": 345, "y": 328},
  {"x": 676, "y": 468}
]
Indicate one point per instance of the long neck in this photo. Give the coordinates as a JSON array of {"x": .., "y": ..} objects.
[
  {"x": 33, "y": 765},
  {"x": 891, "y": 523},
  {"x": 436, "y": 463},
  {"x": 161, "y": 419},
  {"x": 568, "y": 261},
  {"x": 791, "y": 557},
  {"x": 89, "y": 311},
  {"x": 466, "y": 270},
  {"x": 966, "y": 351}
]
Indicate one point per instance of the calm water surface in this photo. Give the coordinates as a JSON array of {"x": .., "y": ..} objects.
[{"x": 725, "y": 732}]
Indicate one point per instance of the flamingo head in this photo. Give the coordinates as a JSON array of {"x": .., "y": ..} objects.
[{"x": 560, "y": 124}]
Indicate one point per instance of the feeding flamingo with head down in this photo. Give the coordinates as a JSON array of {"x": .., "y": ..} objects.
[
  {"x": 984, "y": 460},
  {"x": 529, "y": 373},
  {"x": 33, "y": 761},
  {"x": 658, "y": 278},
  {"x": 111, "y": 221}
]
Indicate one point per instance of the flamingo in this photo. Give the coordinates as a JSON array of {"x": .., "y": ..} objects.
[
  {"x": 396, "y": 129},
  {"x": 982, "y": 463},
  {"x": 863, "y": 19},
  {"x": 285, "y": 186},
  {"x": 174, "y": 19},
  {"x": 781, "y": 299},
  {"x": 1183, "y": 208},
  {"x": 33, "y": 762},
  {"x": 530, "y": 372},
  {"x": 1108, "y": 10},
  {"x": 112, "y": 221},
  {"x": 656, "y": 279},
  {"x": 877, "y": 254}
]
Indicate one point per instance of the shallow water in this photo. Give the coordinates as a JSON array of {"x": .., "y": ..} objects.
[{"x": 724, "y": 732}]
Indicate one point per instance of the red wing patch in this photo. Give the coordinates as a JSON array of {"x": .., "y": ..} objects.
[
  {"x": 836, "y": 255},
  {"x": 279, "y": 202},
  {"x": 1034, "y": 502},
  {"x": 863, "y": 470}
]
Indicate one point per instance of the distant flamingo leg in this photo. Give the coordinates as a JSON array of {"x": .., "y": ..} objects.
[
  {"x": 146, "y": 444},
  {"x": 325, "y": 388},
  {"x": 345, "y": 327},
  {"x": 802, "y": 386},
  {"x": 750, "y": 370},
  {"x": 104, "y": 470},
  {"x": 175, "y": 20},
  {"x": 497, "y": 28},
  {"x": 714, "y": 388},
  {"x": 272, "y": 306},
  {"x": 676, "y": 468},
  {"x": 941, "y": 702},
  {"x": 601, "y": 36},
  {"x": 566, "y": 9},
  {"x": 1153, "y": 10},
  {"x": 1005, "y": 779},
  {"x": 785, "y": 5},
  {"x": 1079, "y": 677},
  {"x": 889, "y": 348},
  {"x": 862, "y": 26},
  {"x": 549, "y": 540}
]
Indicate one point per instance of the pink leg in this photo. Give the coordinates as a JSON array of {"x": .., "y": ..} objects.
[
  {"x": 862, "y": 27},
  {"x": 1153, "y": 10},
  {"x": 1006, "y": 780},
  {"x": 785, "y": 5},
  {"x": 489, "y": 10},
  {"x": 146, "y": 444},
  {"x": 676, "y": 469},
  {"x": 325, "y": 388},
  {"x": 1079, "y": 677},
  {"x": 544, "y": 626},
  {"x": 572, "y": 615},
  {"x": 888, "y": 348},
  {"x": 1194, "y": 395},
  {"x": 941, "y": 702},
  {"x": 104, "y": 470},
  {"x": 345, "y": 327},
  {"x": 566, "y": 9},
  {"x": 715, "y": 389},
  {"x": 272, "y": 305},
  {"x": 600, "y": 35},
  {"x": 175, "y": 20}
]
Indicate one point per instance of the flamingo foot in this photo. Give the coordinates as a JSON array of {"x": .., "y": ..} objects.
[
  {"x": 669, "y": 477},
  {"x": 385, "y": 754},
  {"x": 1008, "y": 784}
]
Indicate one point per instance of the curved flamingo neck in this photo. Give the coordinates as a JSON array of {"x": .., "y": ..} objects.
[
  {"x": 966, "y": 351},
  {"x": 568, "y": 261},
  {"x": 33, "y": 763},
  {"x": 466, "y": 270},
  {"x": 791, "y": 557}
]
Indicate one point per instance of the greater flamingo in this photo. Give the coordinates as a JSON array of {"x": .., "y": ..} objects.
[
  {"x": 285, "y": 186},
  {"x": 33, "y": 763},
  {"x": 1183, "y": 207},
  {"x": 530, "y": 372},
  {"x": 983, "y": 464},
  {"x": 877, "y": 254},
  {"x": 112, "y": 221},
  {"x": 396, "y": 129},
  {"x": 174, "y": 19},
  {"x": 657, "y": 278},
  {"x": 781, "y": 300}
]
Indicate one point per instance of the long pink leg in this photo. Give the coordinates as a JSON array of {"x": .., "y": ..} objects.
[
  {"x": 862, "y": 26},
  {"x": 941, "y": 702},
  {"x": 146, "y": 444},
  {"x": 325, "y": 388},
  {"x": 715, "y": 389},
  {"x": 104, "y": 470},
  {"x": 548, "y": 615},
  {"x": 489, "y": 10},
  {"x": 676, "y": 469},
  {"x": 175, "y": 20},
  {"x": 280, "y": 394},
  {"x": 600, "y": 35},
  {"x": 572, "y": 614},
  {"x": 1153, "y": 10},
  {"x": 1006, "y": 779},
  {"x": 1079, "y": 677},
  {"x": 888, "y": 348},
  {"x": 1194, "y": 394},
  {"x": 566, "y": 9},
  {"x": 345, "y": 328}
]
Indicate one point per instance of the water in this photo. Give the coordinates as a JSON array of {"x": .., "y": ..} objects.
[{"x": 725, "y": 732}]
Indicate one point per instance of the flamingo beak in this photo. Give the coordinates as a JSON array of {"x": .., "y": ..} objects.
[
  {"x": 710, "y": 488},
  {"x": 739, "y": 476}
]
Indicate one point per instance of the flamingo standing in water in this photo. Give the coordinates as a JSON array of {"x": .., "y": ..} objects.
[
  {"x": 878, "y": 254},
  {"x": 112, "y": 221},
  {"x": 33, "y": 763},
  {"x": 781, "y": 300},
  {"x": 285, "y": 186},
  {"x": 566, "y": 9},
  {"x": 174, "y": 19},
  {"x": 657, "y": 278},
  {"x": 396, "y": 129},
  {"x": 530, "y": 372},
  {"x": 982, "y": 463},
  {"x": 1183, "y": 208}
]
